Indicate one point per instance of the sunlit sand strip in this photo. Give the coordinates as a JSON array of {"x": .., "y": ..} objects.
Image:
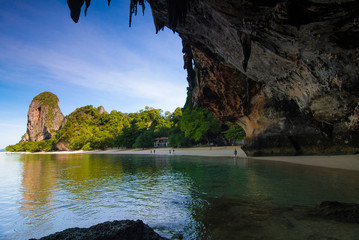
[
  {"x": 349, "y": 162},
  {"x": 226, "y": 151}
]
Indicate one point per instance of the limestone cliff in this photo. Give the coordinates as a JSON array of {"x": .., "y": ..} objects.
[
  {"x": 44, "y": 117},
  {"x": 286, "y": 70}
]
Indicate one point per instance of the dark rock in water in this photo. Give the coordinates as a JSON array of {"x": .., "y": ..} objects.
[
  {"x": 343, "y": 212},
  {"x": 44, "y": 118},
  {"x": 116, "y": 230}
]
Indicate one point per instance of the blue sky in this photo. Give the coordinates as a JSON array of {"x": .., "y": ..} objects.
[{"x": 98, "y": 61}]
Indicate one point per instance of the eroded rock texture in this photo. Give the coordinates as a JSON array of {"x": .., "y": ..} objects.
[
  {"x": 44, "y": 118},
  {"x": 116, "y": 230},
  {"x": 287, "y": 71}
]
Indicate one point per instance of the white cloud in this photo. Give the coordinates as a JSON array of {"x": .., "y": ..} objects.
[
  {"x": 108, "y": 66},
  {"x": 105, "y": 61}
]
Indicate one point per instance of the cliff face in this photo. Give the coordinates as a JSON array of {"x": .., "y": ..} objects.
[
  {"x": 44, "y": 118},
  {"x": 287, "y": 71}
]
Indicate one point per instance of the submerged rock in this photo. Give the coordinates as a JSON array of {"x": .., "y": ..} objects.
[
  {"x": 253, "y": 219},
  {"x": 44, "y": 118},
  {"x": 116, "y": 230},
  {"x": 343, "y": 212}
]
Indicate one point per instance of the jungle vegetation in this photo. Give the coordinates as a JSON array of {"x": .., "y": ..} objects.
[{"x": 87, "y": 128}]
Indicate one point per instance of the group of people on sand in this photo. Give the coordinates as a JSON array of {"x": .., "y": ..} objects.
[
  {"x": 170, "y": 152},
  {"x": 173, "y": 152}
]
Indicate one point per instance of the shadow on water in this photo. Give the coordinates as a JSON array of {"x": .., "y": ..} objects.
[{"x": 197, "y": 197}]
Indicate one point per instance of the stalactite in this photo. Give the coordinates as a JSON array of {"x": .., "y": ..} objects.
[
  {"x": 87, "y": 5},
  {"x": 177, "y": 12},
  {"x": 75, "y": 8},
  {"x": 158, "y": 24},
  {"x": 188, "y": 64},
  {"x": 133, "y": 8},
  {"x": 246, "y": 46}
]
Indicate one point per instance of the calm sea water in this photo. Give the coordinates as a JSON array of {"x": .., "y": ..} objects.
[{"x": 198, "y": 197}]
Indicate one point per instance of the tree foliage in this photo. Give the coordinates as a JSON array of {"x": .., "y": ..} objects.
[
  {"x": 234, "y": 133},
  {"x": 199, "y": 124},
  {"x": 88, "y": 128},
  {"x": 44, "y": 145}
]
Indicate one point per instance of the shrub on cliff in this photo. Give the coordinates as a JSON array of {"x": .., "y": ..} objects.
[{"x": 44, "y": 145}]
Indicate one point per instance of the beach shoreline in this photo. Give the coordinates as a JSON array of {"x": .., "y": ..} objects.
[{"x": 347, "y": 162}]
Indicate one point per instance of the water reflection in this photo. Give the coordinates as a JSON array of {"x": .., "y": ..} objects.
[
  {"x": 62, "y": 190},
  {"x": 38, "y": 184},
  {"x": 201, "y": 198}
]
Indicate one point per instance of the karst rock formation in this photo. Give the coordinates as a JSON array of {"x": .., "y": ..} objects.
[
  {"x": 44, "y": 118},
  {"x": 287, "y": 71}
]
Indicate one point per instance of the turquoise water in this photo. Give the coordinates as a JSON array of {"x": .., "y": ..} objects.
[{"x": 198, "y": 197}]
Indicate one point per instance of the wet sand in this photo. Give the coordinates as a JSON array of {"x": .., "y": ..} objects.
[{"x": 348, "y": 162}]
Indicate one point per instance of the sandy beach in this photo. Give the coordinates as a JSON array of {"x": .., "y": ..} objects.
[
  {"x": 226, "y": 151},
  {"x": 348, "y": 162}
]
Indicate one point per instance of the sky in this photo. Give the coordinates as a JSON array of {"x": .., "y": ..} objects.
[{"x": 98, "y": 61}]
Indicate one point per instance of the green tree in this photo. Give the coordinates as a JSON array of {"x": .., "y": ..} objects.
[
  {"x": 199, "y": 124},
  {"x": 144, "y": 140},
  {"x": 177, "y": 138},
  {"x": 234, "y": 133}
]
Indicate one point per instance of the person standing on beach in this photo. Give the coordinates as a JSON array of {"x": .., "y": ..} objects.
[{"x": 235, "y": 152}]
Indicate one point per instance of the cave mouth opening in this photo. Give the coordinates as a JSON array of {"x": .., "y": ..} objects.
[{"x": 159, "y": 55}]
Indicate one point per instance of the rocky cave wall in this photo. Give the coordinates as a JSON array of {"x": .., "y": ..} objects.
[{"x": 287, "y": 71}]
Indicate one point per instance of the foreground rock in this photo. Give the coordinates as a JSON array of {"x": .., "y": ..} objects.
[
  {"x": 44, "y": 118},
  {"x": 287, "y": 71},
  {"x": 116, "y": 230},
  {"x": 343, "y": 212},
  {"x": 242, "y": 219}
]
